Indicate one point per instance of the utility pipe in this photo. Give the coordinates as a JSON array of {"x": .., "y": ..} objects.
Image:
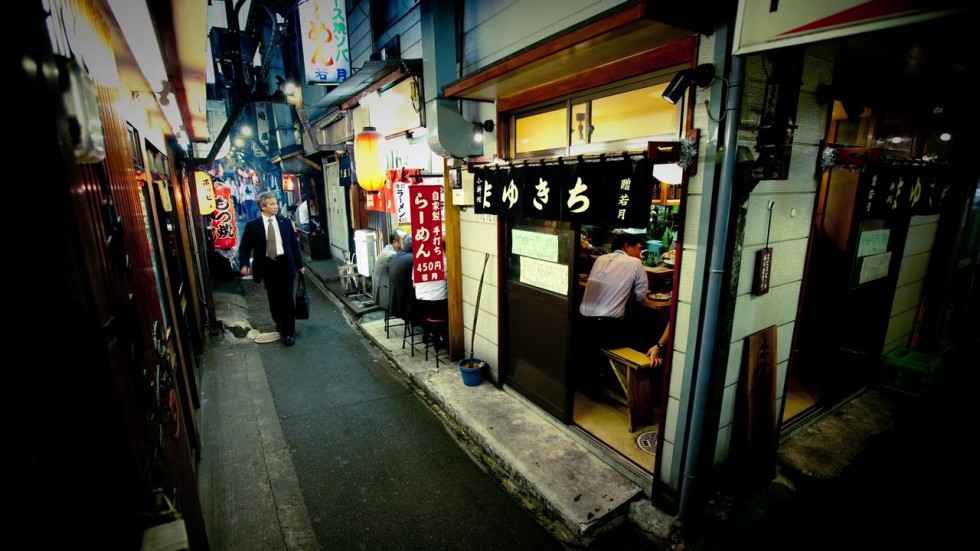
[{"x": 693, "y": 483}]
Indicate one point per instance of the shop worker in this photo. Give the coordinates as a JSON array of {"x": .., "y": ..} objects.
[
  {"x": 615, "y": 278},
  {"x": 270, "y": 251}
]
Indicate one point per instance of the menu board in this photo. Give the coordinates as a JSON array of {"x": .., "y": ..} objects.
[
  {"x": 873, "y": 242},
  {"x": 874, "y": 267},
  {"x": 543, "y": 246},
  {"x": 544, "y": 275}
]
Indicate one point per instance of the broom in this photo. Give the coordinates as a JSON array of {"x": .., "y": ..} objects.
[{"x": 476, "y": 312}]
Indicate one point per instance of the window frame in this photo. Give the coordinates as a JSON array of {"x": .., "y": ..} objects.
[{"x": 587, "y": 97}]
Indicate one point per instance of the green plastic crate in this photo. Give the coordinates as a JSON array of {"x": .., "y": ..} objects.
[{"x": 913, "y": 372}]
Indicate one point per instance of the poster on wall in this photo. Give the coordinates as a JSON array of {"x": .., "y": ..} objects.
[
  {"x": 544, "y": 275},
  {"x": 427, "y": 247}
]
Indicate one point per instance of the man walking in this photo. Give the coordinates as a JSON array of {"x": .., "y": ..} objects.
[{"x": 269, "y": 245}]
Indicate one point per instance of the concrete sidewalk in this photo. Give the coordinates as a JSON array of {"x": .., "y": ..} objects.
[
  {"x": 572, "y": 492},
  {"x": 575, "y": 495}
]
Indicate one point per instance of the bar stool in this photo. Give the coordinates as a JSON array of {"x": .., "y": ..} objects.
[
  {"x": 435, "y": 327},
  {"x": 388, "y": 321},
  {"x": 409, "y": 335}
]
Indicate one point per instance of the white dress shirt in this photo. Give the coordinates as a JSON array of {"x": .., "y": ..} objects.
[{"x": 612, "y": 279}]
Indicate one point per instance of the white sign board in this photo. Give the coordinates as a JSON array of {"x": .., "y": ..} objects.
[
  {"x": 544, "y": 275},
  {"x": 538, "y": 245},
  {"x": 766, "y": 24},
  {"x": 873, "y": 242},
  {"x": 874, "y": 267}
]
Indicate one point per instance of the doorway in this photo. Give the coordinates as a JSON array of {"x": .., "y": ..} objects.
[
  {"x": 612, "y": 399},
  {"x": 337, "y": 220}
]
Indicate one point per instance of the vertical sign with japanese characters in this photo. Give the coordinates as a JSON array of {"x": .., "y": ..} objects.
[
  {"x": 223, "y": 227},
  {"x": 401, "y": 203},
  {"x": 325, "y": 50},
  {"x": 427, "y": 250}
]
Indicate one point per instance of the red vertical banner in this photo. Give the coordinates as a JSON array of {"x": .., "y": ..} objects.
[
  {"x": 428, "y": 256},
  {"x": 223, "y": 226}
]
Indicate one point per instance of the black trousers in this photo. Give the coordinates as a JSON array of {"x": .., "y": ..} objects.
[
  {"x": 279, "y": 281},
  {"x": 434, "y": 310},
  {"x": 596, "y": 334}
]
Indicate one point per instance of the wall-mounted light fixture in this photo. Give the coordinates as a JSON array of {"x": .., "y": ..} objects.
[
  {"x": 369, "y": 159},
  {"x": 702, "y": 76},
  {"x": 480, "y": 127}
]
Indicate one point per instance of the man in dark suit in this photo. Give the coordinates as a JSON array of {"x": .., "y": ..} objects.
[
  {"x": 270, "y": 251},
  {"x": 402, "y": 303}
]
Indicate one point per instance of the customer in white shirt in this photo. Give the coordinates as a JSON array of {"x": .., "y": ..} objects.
[
  {"x": 615, "y": 278},
  {"x": 433, "y": 304},
  {"x": 303, "y": 215}
]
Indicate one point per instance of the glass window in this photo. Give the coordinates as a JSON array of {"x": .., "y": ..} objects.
[
  {"x": 542, "y": 131},
  {"x": 632, "y": 114},
  {"x": 618, "y": 120}
]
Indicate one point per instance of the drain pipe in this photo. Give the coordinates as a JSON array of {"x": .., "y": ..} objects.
[{"x": 693, "y": 481}]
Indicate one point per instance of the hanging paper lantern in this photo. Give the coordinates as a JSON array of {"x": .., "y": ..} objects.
[
  {"x": 205, "y": 193},
  {"x": 287, "y": 182},
  {"x": 369, "y": 159}
]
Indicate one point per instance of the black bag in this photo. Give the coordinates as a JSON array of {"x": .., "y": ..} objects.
[{"x": 302, "y": 300}]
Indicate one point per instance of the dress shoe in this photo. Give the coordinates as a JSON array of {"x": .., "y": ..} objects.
[{"x": 288, "y": 340}]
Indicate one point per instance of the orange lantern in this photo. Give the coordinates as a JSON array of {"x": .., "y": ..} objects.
[
  {"x": 287, "y": 182},
  {"x": 369, "y": 159}
]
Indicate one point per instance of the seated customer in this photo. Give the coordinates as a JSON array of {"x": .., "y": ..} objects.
[
  {"x": 433, "y": 304},
  {"x": 615, "y": 278},
  {"x": 380, "y": 287},
  {"x": 402, "y": 293}
]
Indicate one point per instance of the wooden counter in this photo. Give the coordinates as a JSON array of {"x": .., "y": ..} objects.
[{"x": 646, "y": 302}]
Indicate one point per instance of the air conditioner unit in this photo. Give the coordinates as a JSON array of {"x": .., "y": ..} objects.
[{"x": 365, "y": 251}]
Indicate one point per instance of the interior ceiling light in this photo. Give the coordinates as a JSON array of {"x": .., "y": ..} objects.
[{"x": 702, "y": 75}]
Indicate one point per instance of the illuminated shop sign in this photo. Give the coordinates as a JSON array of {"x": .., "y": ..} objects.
[{"x": 323, "y": 25}]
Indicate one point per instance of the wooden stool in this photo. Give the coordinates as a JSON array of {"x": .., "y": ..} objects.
[{"x": 632, "y": 369}]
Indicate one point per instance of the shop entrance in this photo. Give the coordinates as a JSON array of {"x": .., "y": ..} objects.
[
  {"x": 336, "y": 211},
  {"x": 538, "y": 309},
  {"x": 611, "y": 396}
]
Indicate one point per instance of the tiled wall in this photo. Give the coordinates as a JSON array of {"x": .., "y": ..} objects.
[{"x": 911, "y": 277}]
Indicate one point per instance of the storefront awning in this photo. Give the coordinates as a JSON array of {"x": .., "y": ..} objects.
[
  {"x": 373, "y": 75},
  {"x": 644, "y": 37}
]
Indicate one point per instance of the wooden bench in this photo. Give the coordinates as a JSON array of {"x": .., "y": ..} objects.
[{"x": 635, "y": 375}]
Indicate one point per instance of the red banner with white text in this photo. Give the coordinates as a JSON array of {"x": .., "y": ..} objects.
[
  {"x": 429, "y": 260},
  {"x": 223, "y": 227}
]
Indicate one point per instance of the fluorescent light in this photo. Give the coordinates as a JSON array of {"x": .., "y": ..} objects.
[
  {"x": 670, "y": 173},
  {"x": 137, "y": 26},
  {"x": 172, "y": 113}
]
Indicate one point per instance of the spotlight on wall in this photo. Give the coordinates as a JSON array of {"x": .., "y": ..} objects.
[
  {"x": 480, "y": 127},
  {"x": 702, "y": 76}
]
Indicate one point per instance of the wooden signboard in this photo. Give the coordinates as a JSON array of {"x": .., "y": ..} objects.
[{"x": 754, "y": 438}]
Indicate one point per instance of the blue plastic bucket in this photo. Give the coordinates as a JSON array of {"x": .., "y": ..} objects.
[{"x": 472, "y": 376}]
